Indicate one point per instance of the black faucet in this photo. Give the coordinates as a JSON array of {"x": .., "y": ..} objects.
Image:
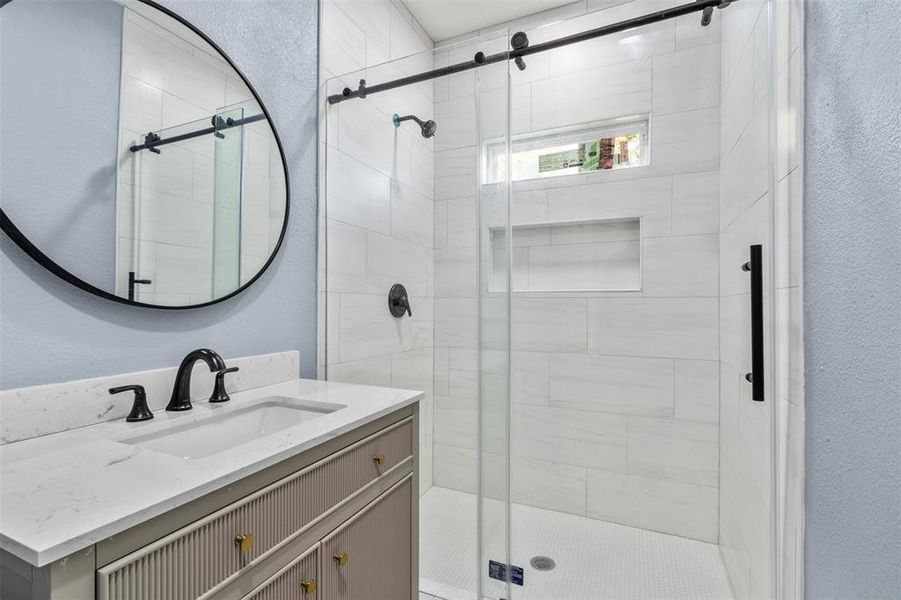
[{"x": 181, "y": 393}]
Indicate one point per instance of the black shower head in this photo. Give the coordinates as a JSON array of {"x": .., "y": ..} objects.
[{"x": 428, "y": 127}]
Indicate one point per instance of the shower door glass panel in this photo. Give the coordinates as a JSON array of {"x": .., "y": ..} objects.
[
  {"x": 227, "y": 199},
  {"x": 635, "y": 449},
  {"x": 492, "y": 112}
]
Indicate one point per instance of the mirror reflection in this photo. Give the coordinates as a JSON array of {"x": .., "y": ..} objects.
[{"x": 156, "y": 176}]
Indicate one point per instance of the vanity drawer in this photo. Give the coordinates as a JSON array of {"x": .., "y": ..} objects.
[
  {"x": 193, "y": 560},
  {"x": 299, "y": 580}
]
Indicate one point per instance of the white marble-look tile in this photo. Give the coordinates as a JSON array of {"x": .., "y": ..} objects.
[
  {"x": 456, "y": 468},
  {"x": 600, "y": 94},
  {"x": 374, "y": 18},
  {"x": 412, "y": 215},
  {"x": 751, "y": 227},
  {"x": 44, "y": 409},
  {"x": 548, "y": 485},
  {"x": 404, "y": 38},
  {"x": 531, "y": 378},
  {"x": 549, "y": 324},
  {"x": 681, "y": 266},
  {"x": 343, "y": 41},
  {"x": 346, "y": 258},
  {"x": 456, "y": 272},
  {"x": 746, "y": 166},
  {"x": 594, "y": 232},
  {"x": 612, "y": 384},
  {"x": 678, "y": 450},
  {"x": 142, "y": 106},
  {"x": 650, "y": 199},
  {"x": 687, "y": 80},
  {"x": 457, "y": 423},
  {"x": 457, "y": 124},
  {"x": 686, "y": 142},
  {"x": 615, "y": 48},
  {"x": 462, "y": 222},
  {"x": 455, "y": 172},
  {"x": 456, "y": 322},
  {"x": 367, "y": 329},
  {"x": 570, "y": 437},
  {"x": 696, "y": 203},
  {"x": 369, "y": 135},
  {"x": 464, "y": 366},
  {"x": 596, "y": 266},
  {"x": 357, "y": 194},
  {"x": 369, "y": 371},
  {"x": 440, "y": 224},
  {"x": 440, "y": 368},
  {"x": 654, "y": 327},
  {"x": 390, "y": 260},
  {"x": 656, "y": 504},
  {"x": 690, "y": 33},
  {"x": 697, "y": 390}
]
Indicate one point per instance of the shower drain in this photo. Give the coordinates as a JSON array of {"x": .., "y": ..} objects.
[{"x": 542, "y": 563}]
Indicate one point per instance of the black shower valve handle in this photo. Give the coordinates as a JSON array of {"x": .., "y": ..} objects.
[{"x": 399, "y": 301}]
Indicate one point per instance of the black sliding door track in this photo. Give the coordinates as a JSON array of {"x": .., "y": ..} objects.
[{"x": 480, "y": 59}]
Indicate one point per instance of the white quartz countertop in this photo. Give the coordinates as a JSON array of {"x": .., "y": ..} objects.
[{"x": 63, "y": 492}]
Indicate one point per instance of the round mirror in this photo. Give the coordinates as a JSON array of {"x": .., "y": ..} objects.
[{"x": 136, "y": 161}]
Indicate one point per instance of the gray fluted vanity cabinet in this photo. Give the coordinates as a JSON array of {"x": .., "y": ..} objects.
[{"x": 337, "y": 522}]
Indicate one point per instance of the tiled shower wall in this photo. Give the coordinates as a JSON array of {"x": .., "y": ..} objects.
[
  {"x": 615, "y": 394},
  {"x": 376, "y": 209}
]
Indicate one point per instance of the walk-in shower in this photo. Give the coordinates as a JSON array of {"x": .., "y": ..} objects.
[{"x": 575, "y": 240}]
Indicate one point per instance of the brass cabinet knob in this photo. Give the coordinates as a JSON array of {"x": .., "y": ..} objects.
[
  {"x": 378, "y": 458},
  {"x": 340, "y": 559},
  {"x": 309, "y": 586},
  {"x": 244, "y": 541}
]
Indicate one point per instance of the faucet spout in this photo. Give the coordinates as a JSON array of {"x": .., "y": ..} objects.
[{"x": 181, "y": 393}]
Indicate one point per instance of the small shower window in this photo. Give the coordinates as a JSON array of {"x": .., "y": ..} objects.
[{"x": 586, "y": 148}]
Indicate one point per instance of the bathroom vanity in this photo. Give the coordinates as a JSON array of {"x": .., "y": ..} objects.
[{"x": 303, "y": 489}]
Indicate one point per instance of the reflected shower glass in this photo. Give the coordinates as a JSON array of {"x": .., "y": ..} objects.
[{"x": 227, "y": 199}]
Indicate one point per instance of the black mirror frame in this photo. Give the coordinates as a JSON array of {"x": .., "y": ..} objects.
[{"x": 21, "y": 240}]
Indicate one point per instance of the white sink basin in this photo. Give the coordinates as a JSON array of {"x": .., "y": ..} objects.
[{"x": 199, "y": 439}]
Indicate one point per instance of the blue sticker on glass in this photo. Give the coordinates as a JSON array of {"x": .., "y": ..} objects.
[
  {"x": 516, "y": 575},
  {"x": 498, "y": 570}
]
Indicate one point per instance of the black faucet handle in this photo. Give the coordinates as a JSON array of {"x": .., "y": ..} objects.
[
  {"x": 219, "y": 393},
  {"x": 139, "y": 409}
]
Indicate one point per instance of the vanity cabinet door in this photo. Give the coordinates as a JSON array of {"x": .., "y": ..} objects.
[
  {"x": 369, "y": 557},
  {"x": 299, "y": 580}
]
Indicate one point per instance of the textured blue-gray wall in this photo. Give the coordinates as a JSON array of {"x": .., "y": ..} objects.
[
  {"x": 852, "y": 287},
  {"x": 58, "y": 163},
  {"x": 51, "y": 331}
]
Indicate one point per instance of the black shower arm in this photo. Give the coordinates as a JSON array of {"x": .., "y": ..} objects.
[{"x": 408, "y": 117}]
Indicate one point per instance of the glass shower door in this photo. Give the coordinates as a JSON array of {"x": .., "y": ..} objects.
[
  {"x": 492, "y": 112},
  {"x": 228, "y": 148}
]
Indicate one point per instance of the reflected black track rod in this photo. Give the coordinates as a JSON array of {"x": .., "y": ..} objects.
[
  {"x": 152, "y": 145},
  {"x": 481, "y": 59}
]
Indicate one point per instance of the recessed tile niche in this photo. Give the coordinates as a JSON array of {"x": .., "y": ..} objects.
[{"x": 601, "y": 255}]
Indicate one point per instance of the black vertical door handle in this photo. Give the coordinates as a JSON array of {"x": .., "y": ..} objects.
[{"x": 755, "y": 268}]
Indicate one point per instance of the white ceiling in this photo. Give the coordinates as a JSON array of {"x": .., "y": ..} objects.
[{"x": 443, "y": 19}]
